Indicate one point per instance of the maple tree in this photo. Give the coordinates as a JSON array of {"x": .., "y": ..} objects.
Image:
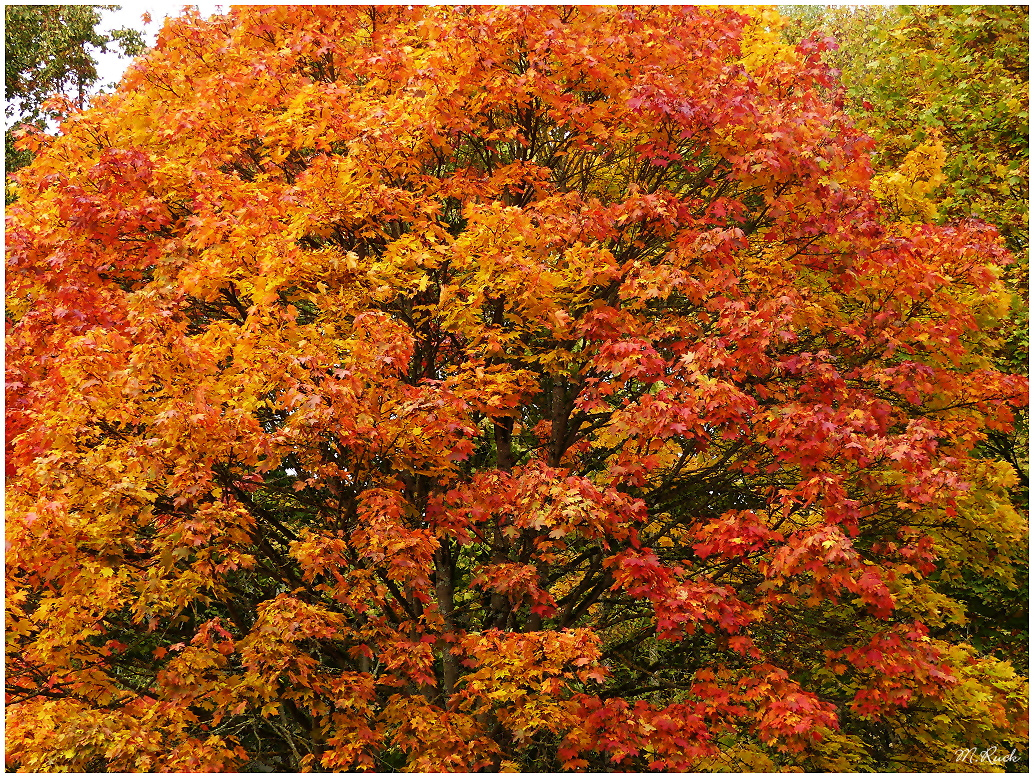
[{"x": 494, "y": 388}]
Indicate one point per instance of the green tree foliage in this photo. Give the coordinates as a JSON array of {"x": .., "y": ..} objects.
[{"x": 50, "y": 49}]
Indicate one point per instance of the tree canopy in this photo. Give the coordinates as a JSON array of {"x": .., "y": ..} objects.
[{"x": 449, "y": 389}]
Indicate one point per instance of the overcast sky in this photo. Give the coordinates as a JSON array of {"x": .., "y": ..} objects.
[{"x": 110, "y": 66}]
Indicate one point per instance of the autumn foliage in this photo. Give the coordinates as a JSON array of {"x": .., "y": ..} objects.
[{"x": 498, "y": 388}]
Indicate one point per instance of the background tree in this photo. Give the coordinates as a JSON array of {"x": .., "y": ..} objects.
[
  {"x": 48, "y": 50},
  {"x": 494, "y": 388},
  {"x": 943, "y": 90},
  {"x": 954, "y": 74}
]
